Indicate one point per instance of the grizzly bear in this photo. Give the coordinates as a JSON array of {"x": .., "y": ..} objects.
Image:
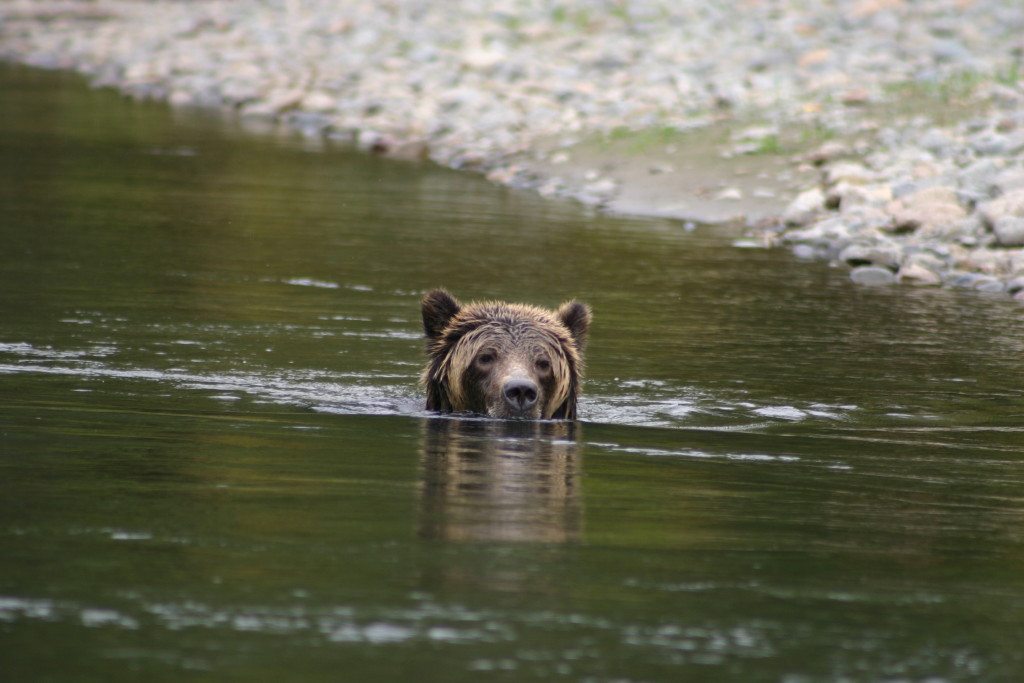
[{"x": 503, "y": 360}]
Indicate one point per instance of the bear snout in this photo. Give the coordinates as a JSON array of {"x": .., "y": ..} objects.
[{"x": 520, "y": 394}]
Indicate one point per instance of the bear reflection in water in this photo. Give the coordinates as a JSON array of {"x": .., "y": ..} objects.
[{"x": 500, "y": 480}]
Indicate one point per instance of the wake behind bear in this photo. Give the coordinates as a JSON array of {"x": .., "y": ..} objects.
[{"x": 503, "y": 360}]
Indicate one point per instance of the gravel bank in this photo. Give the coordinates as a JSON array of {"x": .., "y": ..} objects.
[
  {"x": 605, "y": 100},
  {"x": 922, "y": 205}
]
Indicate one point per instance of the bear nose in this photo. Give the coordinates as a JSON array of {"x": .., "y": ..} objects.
[{"x": 520, "y": 393}]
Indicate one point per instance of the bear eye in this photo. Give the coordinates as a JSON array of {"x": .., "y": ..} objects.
[
  {"x": 543, "y": 364},
  {"x": 485, "y": 358}
]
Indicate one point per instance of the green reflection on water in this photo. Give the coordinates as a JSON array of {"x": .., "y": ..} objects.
[{"x": 213, "y": 462}]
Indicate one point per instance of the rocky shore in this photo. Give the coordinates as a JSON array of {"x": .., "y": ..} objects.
[
  {"x": 897, "y": 126},
  {"x": 922, "y": 205}
]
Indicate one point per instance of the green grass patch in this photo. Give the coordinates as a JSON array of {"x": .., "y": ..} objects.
[
  {"x": 643, "y": 139},
  {"x": 945, "y": 101},
  {"x": 953, "y": 89},
  {"x": 770, "y": 144},
  {"x": 1011, "y": 74}
]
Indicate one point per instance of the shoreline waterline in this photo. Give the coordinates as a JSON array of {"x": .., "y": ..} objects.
[{"x": 777, "y": 120}]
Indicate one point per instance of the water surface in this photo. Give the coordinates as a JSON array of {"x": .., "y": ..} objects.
[{"x": 215, "y": 465}]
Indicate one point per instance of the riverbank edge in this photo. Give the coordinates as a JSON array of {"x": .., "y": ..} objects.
[
  {"x": 946, "y": 225},
  {"x": 693, "y": 178}
]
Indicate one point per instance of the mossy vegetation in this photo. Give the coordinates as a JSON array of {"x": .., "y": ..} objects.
[
  {"x": 639, "y": 140},
  {"x": 949, "y": 99},
  {"x": 788, "y": 140}
]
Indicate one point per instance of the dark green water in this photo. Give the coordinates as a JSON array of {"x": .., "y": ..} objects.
[{"x": 214, "y": 464}]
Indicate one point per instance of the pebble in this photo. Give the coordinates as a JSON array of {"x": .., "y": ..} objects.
[
  {"x": 275, "y": 103},
  {"x": 1010, "y": 204},
  {"x": 886, "y": 254},
  {"x": 828, "y": 151},
  {"x": 916, "y": 274},
  {"x": 979, "y": 179},
  {"x": 936, "y": 141},
  {"x": 958, "y": 279},
  {"x": 373, "y": 141},
  {"x": 1015, "y": 285},
  {"x": 804, "y": 208},
  {"x": 845, "y": 196},
  {"x": 1009, "y": 231},
  {"x": 805, "y": 252},
  {"x": 600, "y": 190},
  {"x": 1009, "y": 180},
  {"x": 990, "y": 142},
  {"x": 848, "y": 172},
  {"x": 319, "y": 101},
  {"x": 951, "y": 51},
  {"x": 872, "y": 276},
  {"x": 926, "y": 259},
  {"x": 934, "y": 210},
  {"x": 989, "y": 284}
]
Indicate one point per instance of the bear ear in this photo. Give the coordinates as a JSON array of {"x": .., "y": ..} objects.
[
  {"x": 576, "y": 317},
  {"x": 438, "y": 308}
]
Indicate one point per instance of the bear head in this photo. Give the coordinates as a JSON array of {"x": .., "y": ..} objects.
[{"x": 503, "y": 360}]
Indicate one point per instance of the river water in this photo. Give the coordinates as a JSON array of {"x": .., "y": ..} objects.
[{"x": 215, "y": 465}]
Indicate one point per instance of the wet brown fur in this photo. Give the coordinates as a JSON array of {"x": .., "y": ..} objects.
[{"x": 519, "y": 334}]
